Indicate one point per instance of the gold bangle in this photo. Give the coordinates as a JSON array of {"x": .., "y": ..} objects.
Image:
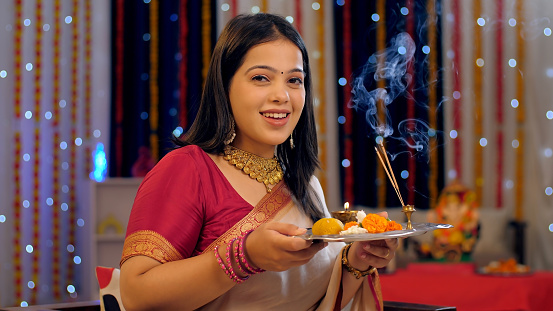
[{"x": 357, "y": 273}]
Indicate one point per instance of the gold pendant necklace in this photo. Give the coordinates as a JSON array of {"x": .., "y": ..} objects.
[{"x": 266, "y": 171}]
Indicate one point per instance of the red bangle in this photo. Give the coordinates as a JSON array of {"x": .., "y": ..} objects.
[
  {"x": 219, "y": 260},
  {"x": 237, "y": 259},
  {"x": 233, "y": 275},
  {"x": 242, "y": 255}
]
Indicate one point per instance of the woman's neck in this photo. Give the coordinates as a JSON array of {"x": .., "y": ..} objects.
[{"x": 264, "y": 151}]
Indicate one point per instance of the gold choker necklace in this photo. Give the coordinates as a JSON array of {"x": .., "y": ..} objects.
[{"x": 266, "y": 171}]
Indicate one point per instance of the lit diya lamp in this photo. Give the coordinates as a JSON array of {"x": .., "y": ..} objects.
[
  {"x": 407, "y": 209},
  {"x": 346, "y": 215}
]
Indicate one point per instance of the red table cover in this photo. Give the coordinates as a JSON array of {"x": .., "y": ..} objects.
[{"x": 461, "y": 286}]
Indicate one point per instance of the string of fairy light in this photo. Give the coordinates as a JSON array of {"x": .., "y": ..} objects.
[
  {"x": 56, "y": 215},
  {"x": 381, "y": 84},
  {"x": 18, "y": 202},
  {"x": 154, "y": 72},
  {"x": 499, "y": 115},
  {"x": 36, "y": 150},
  {"x": 478, "y": 102},
  {"x": 118, "y": 85},
  {"x": 347, "y": 118},
  {"x": 520, "y": 119},
  {"x": 412, "y": 165},
  {"x": 455, "y": 55},
  {"x": 432, "y": 100},
  {"x": 74, "y": 143},
  {"x": 183, "y": 68}
]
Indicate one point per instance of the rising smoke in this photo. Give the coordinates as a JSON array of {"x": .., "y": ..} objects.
[{"x": 414, "y": 133}]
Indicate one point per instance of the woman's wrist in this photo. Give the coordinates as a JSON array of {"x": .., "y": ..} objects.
[
  {"x": 245, "y": 258},
  {"x": 353, "y": 267},
  {"x": 354, "y": 260}
]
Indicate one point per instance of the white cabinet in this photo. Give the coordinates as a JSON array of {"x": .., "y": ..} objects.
[{"x": 111, "y": 203}]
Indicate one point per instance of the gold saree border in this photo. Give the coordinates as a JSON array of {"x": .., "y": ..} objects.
[
  {"x": 277, "y": 200},
  {"x": 151, "y": 244},
  {"x": 376, "y": 289}
]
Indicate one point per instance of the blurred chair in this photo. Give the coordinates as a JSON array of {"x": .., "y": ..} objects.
[{"x": 110, "y": 297}]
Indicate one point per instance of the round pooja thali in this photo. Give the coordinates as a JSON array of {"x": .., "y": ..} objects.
[{"x": 418, "y": 229}]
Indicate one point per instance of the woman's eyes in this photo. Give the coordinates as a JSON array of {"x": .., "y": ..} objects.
[
  {"x": 262, "y": 78},
  {"x": 297, "y": 81}
]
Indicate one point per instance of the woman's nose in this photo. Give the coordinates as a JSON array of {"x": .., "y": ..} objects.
[{"x": 280, "y": 94}]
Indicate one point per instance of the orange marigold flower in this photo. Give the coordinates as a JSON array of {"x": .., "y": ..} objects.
[
  {"x": 350, "y": 224},
  {"x": 375, "y": 223},
  {"x": 392, "y": 225}
]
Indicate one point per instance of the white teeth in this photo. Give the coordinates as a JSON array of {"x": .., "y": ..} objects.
[{"x": 275, "y": 115}]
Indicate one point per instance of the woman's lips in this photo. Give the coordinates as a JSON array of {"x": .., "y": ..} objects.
[
  {"x": 276, "y": 118},
  {"x": 276, "y": 115}
]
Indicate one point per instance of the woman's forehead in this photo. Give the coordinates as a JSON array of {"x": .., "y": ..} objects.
[{"x": 279, "y": 53}]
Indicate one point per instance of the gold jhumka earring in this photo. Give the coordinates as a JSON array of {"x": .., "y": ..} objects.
[
  {"x": 292, "y": 142},
  {"x": 231, "y": 135}
]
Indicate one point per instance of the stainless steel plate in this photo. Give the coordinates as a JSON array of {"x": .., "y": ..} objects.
[{"x": 418, "y": 229}]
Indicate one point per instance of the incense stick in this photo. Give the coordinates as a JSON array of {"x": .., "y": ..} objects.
[
  {"x": 389, "y": 165},
  {"x": 389, "y": 171},
  {"x": 385, "y": 168}
]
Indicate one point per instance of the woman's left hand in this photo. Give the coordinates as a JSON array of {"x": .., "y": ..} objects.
[{"x": 378, "y": 254}]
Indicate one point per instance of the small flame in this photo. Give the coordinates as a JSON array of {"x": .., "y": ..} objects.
[{"x": 346, "y": 206}]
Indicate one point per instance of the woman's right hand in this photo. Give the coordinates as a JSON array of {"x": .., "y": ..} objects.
[{"x": 272, "y": 246}]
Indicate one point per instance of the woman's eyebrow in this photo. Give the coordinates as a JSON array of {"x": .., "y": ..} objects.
[{"x": 272, "y": 69}]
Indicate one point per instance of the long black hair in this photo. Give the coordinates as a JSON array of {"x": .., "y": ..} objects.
[{"x": 213, "y": 122}]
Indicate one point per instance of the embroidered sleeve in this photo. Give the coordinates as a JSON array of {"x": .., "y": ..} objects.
[{"x": 151, "y": 244}]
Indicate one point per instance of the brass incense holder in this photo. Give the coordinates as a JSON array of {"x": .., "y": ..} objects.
[{"x": 408, "y": 210}]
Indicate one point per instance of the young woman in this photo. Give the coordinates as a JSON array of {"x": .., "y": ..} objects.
[{"x": 213, "y": 224}]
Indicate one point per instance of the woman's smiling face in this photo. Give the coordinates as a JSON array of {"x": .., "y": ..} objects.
[{"x": 267, "y": 96}]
